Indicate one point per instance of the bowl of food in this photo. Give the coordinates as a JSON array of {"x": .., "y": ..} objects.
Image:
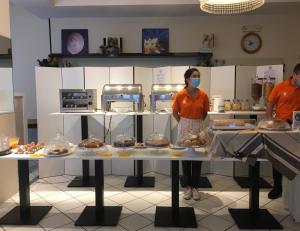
[
  {"x": 4, "y": 145},
  {"x": 58, "y": 146},
  {"x": 157, "y": 140},
  {"x": 192, "y": 140},
  {"x": 124, "y": 141},
  {"x": 274, "y": 124}
]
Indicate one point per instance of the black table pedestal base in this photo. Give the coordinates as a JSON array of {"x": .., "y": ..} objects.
[
  {"x": 108, "y": 217},
  {"x": 79, "y": 182},
  {"x": 203, "y": 182},
  {"x": 185, "y": 218},
  {"x": 260, "y": 219},
  {"x": 134, "y": 182},
  {"x": 31, "y": 217},
  {"x": 243, "y": 182}
]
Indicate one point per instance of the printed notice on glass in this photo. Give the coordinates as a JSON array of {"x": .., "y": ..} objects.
[
  {"x": 270, "y": 72},
  {"x": 161, "y": 75},
  {"x": 296, "y": 120}
]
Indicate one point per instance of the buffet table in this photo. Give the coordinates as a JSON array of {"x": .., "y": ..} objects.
[{"x": 99, "y": 214}]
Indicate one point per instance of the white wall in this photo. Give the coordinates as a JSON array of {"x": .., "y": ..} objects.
[
  {"x": 4, "y": 18},
  {"x": 279, "y": 34},
  {"x": 30, "y": 41}
]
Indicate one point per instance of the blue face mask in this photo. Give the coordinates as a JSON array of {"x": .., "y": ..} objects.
[
  {"x": 297, "y": 81},
  {"x": 195, "y": 82}
]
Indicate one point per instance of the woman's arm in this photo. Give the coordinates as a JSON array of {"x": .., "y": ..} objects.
[
  {"x": 176, "y": 115},
  {"x": 269, "y": 110}
]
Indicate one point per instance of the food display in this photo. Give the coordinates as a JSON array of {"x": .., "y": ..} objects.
[
  {"x": 227, "y": 105},
  {"x": 91, "y": 143},
  {"x": 157, "y": 141},
  {"x": 245, "y": 105},
  {"x": 193, "y": 139},
  {"x": 273, "y": 124},
  {"x": 59, "y": 145},
  {"x": 123, "y": 141},
  {"x": 233, "y": 124},
  {"x": 236, "y": 105},
  {"x": 4, "y": 145},
  {"x": 140, "y": 145},
  {"x": 30, "y": 148}
]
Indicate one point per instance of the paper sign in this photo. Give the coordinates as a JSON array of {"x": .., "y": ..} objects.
[{"x": 296, "y": 120}]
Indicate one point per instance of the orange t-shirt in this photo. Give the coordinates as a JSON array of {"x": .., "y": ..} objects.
[
  {"x": 191, "y": 108},
  {"x": 286, "y": 98}
]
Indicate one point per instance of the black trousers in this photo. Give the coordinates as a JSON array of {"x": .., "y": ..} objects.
[
  {"x": 277, "y": 177},
  {"x": 191, "y": 173}
]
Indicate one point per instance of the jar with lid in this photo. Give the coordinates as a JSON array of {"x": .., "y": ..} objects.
[
  {"x": 227, "y": 105},
  {"x": 236, "y": 105},
  {"x": 245, "y": 105}
]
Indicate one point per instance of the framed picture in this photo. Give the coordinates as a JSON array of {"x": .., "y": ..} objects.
[
  {"x": 74, "y": 41},
  {"x": 155, "y": 41}
]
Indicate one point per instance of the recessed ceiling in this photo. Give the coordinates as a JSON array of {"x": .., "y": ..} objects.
[{"x": 137, "y": 8}]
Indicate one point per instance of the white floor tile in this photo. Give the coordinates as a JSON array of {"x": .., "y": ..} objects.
[
  {"x": 114, "y": 180},
  {"x": 125, "y": 213},
  {"x": 74, "y": 213},
  {"x": 117, "y": 228},
  {"x": 149, "y": 213},
  {"x": 33, "y": 196},
  {"x": 68, "y": 205},
  {"x": 208, "y": 206},
  {"x": 55, "y": 221},
  {"x": 155, "y": 198},
  {"x": 137, "y": 205},
  {"x": 202, "y": 228},
  {"x": 57, "y": 180},
  {"x": 139, "y": 192},
  {"x": 151, "y": 227},
  {"x": 69, "y": 227},
  {"x": 56, "y": 198},
  {"x": 44, "y": 190},
  {"x": 87, "y": 198},
  {"x": 27, "y": 228},
  {"x": 122, "y": 198},
  {"x": 235, "y": 228},
  {"x": 290, "y": 223},
  {"x": 134, "y": 222},
  {"x": 234, "y": 195},
  {"x": 215, "y": 223},
  {"x": 278, "y": 206}
]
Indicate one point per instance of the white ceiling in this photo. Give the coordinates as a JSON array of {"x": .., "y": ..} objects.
[{"x": 137, "y": 8}]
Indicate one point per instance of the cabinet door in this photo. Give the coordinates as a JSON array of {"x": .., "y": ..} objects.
[
  {"x": 177, "y": 74},
  {"x": 121, "y": 124},
  {"x": 162, "y": 75},
  {"x": 95, "y": 78},
  {"x": 143, "y": 75},
  {"x": 6, "y": 90},
  {"x": 73, "y": 78},
  {"x": 223, "y": 82},
  {"x": 48, "y": 82}
]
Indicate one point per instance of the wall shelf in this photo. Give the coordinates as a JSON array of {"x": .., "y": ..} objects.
[{"x": 137, "y": 55}]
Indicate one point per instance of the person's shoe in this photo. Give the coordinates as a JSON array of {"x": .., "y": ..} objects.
[
  {"x": 275, "y": 193},
  {"x": 196, "y": 194},
  {"x": 187, "y": 194}
]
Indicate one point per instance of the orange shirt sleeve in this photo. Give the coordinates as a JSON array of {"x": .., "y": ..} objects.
[
  {"x": 274, "y": 96},
  {"x": 206, "y": 104}
]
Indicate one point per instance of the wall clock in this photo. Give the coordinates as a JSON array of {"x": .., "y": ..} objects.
[{"x": 251, "y": 43}]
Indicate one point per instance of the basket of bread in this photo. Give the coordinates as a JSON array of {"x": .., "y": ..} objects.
[{"x": 274, "y": 124}]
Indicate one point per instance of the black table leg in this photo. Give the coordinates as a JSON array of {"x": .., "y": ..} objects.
[
  {"x": 24, "y": 214},
  {"x": 139, "y": 180},
  {"x": 254, "y": 217},
  {"x": 85, "y": 180},
  {"x": 175, "y": 216},
  {"x": 99, "y": 215}
]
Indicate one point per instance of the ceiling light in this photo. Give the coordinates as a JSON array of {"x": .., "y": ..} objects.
[{"x": 229, "y": 6}]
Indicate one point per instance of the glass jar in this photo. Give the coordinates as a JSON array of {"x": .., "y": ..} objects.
[
  {"x": 245, "y": 105},
  {"x": 227, "y": 105},
  {"x": 236, "y": 105}
]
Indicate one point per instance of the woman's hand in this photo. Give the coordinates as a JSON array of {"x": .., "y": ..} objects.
[{"x": 176, "y": 115}]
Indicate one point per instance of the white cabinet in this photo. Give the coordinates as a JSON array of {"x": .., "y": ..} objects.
[
  {"x": 177, "y": 74},
  {"x": 121, "y": 124},
  {"x": 48, "y": 83},
  {"x": 96, "y": 78}
]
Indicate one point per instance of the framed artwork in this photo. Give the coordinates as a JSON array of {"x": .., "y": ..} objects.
[
  {"x": 74, "y": 41},
  {"x": 155, "y": 41}
]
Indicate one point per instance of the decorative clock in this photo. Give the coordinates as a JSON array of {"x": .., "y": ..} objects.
[{"x": 251, "y": 43}]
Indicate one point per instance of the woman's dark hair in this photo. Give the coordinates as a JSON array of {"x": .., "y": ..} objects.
[
  {"x": 297, "y": 69},
  {"x": 188, "y": 74}
]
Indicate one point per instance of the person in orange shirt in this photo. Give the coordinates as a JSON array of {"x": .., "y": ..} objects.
[
  {"x": 285, "y": 98},
  {"x": 190, "y": 108}
]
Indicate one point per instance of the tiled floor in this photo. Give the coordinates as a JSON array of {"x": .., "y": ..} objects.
[{"x": 139, "y": 204}]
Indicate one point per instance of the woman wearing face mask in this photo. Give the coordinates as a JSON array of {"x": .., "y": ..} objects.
[{"x": 190, "y": 108}]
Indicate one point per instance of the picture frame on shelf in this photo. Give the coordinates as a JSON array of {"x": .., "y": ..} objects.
[
  {"x": 74, "y": 41},
  {"x": 155, "y": 41}
]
